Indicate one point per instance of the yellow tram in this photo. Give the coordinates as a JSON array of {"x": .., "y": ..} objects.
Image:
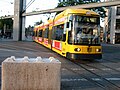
[{"x": 73, "y": 33}]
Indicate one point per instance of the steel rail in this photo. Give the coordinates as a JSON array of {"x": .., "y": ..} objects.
[
  {"x": 85, "y": 77},
  {"x": 83, "y": 66}
]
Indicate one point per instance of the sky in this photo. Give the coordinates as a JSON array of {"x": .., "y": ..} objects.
[
  {"x": 7, "y": 8},
  {"x": 37, "y": 6}
]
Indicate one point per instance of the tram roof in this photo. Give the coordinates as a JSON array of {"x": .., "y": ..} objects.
[
  {"x": 76, "y": 11},
  {"x": 65, "y": 13}
]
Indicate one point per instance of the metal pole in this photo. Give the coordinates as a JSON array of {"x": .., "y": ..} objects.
[{"x": 113, "y": 24}]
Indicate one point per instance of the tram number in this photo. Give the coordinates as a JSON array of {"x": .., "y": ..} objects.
[{"x": 89, "y": 49}]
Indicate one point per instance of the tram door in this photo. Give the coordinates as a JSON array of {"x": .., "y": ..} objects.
[
  {"x": 64, "y": 45},
  {"x": 64, "y": 40}
]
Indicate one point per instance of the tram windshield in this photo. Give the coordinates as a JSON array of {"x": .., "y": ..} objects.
[{"x": 84, "y": 30}]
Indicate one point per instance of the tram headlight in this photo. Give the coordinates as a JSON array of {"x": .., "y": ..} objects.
[
  {"x": 98, "y": 50},
  {"x": 77, "y": 49}
]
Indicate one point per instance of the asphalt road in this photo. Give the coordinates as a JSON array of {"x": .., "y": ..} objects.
[{"x": 101, "y": 74}]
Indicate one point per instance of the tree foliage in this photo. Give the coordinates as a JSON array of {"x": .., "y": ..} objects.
[
  {"x": 39, "y": 22},
  {"x": 99, "y": 10}
]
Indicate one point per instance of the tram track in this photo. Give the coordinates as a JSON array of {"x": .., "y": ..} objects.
[
  {"x": 85, "y": 77},
  {"x": 107, "y": 58},
  {"x": 90, "y": 75},
  {"x": 104, "y": 66},
  {"x": 110, "y": 61},
  {"x": 111, "y": 85},
  {"x": 86, "y": 70}
]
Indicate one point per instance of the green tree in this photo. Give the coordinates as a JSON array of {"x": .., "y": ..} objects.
[
  {"x": 99, "y": 10},
  {"x": 1, "y": 24},
  {"x": 39, "y": 22}
]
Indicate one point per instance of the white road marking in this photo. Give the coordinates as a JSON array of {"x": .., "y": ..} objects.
[
  {"x": 106, "y": 69},
  {"x": 16, "y": 51},
  {"x": 64, "y": 69},
  {"x": 6, "y": 50},
  {"x": 94, "y": 79},
  {"x": 77, "y": 69},
  {"x": 92, "y": 69},
  {"x": 113, "y": 79},
  {"x": 69, "y": 80},
  {"x": 117, "y": 68}
]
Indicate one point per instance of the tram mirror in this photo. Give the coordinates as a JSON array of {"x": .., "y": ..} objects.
[{"x": 71, "y": 18}]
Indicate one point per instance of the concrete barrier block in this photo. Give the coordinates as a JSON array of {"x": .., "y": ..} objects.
[{"x": 31, "y": 73}]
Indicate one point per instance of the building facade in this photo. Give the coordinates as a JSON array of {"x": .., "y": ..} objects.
[
  {"x": 112, "y": 25},
  {"x": 113, "y": 32}
]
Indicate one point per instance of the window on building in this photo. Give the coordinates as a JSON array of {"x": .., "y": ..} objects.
[
  {"x": 117, "y": 24},
  {"x": 118, "y": 10}
]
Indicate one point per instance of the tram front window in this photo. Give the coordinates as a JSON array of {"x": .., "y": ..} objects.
[{"x": 84, "y": 30}]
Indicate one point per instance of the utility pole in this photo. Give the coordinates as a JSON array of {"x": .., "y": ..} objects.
[
  {"x": 19, "y": 21},
  {"x": 113, "y": 24}
]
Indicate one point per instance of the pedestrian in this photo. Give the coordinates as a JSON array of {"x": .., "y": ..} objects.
[{"x": 0, "y": 35}]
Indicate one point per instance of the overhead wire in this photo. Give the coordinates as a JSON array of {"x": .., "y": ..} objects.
[
  {"x": 28, "y": 5},
  {"x": 11, "y": 2}
]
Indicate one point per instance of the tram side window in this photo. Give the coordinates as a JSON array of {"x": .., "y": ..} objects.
[
  {"x": 40, "y": 33},
  {"x": 53, "y": 33},
  {"x": 36, "y": 33},
  {"x": 117, "y": 24},
  {"x": 58, "y": 32},
  {"x": 46, "y": 33}
]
